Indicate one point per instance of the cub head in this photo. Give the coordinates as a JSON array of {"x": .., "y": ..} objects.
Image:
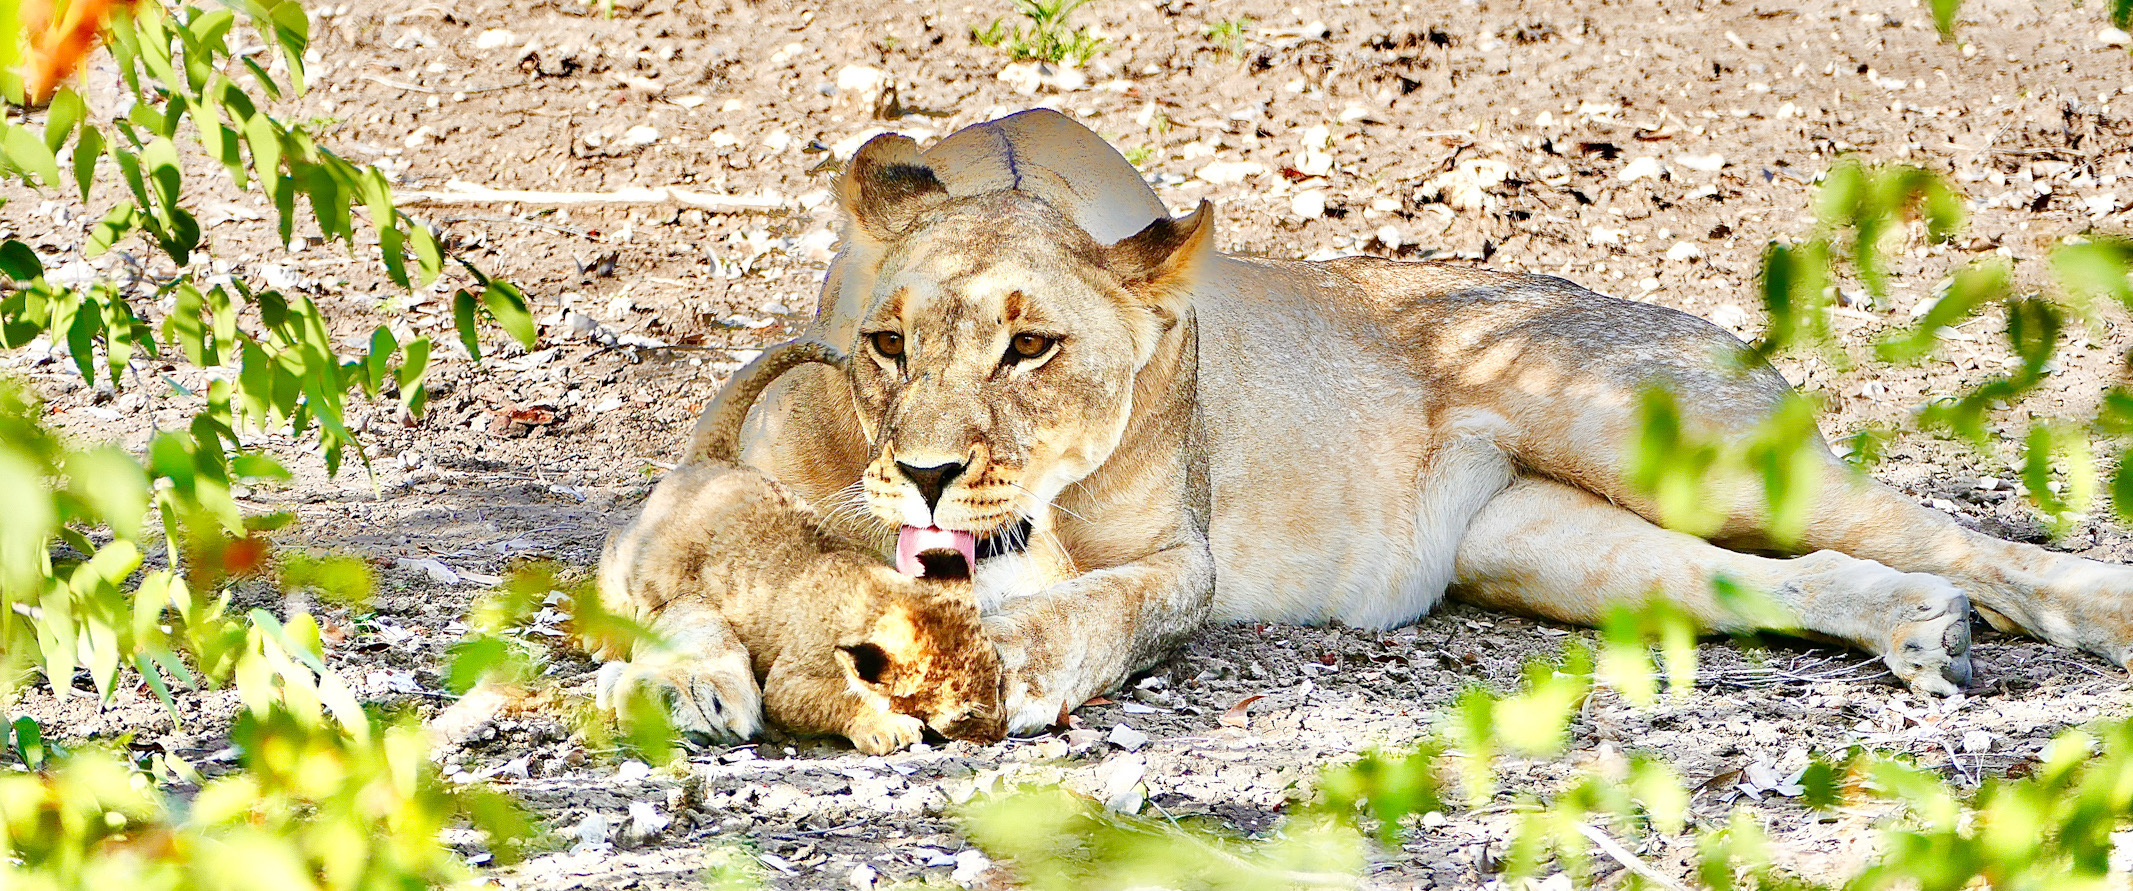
[
  {"x": 926, "y": 653},
  {"x": 997, "y": 355}
]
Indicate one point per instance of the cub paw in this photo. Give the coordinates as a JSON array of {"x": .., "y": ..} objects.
[
  {"x": 1929, "y": 639},
  {"x": 879, "y": 733},
  {"x": 712, "y": 700}
]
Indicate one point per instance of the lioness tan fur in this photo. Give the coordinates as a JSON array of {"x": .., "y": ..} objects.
[
  {"x": 1199, "y": 437},
  {"x": 760, "y": 611}
]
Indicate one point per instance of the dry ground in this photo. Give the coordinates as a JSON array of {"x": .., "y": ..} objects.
[{"x": 1647, "y": 148}]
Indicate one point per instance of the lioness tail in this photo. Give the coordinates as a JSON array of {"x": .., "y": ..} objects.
[{"x": 718, "y": 432}]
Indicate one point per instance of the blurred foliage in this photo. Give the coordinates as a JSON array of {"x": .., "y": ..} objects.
[
  {"x": 1862, "y": 209},
  {"x": 1059, "y": 841},
  {"x": 1044, "y": 35},
  {"x": 507, "y": 647},
  {"x": 325, "y": 794}
]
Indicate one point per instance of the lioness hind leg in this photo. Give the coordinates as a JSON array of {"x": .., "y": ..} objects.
[
  {"x": 702, "y": 673},
  {"x": 2060, "y": 598},
  {"x": 1556, "y": 551}
]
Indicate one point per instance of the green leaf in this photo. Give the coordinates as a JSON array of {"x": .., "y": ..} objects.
[
  {"x": 265, "y": 143},
  {"x": 415, "y": 367},
  {"x": 1970, "y": 288},
  {"x": 339, "y": 578},
  {"x": 117, "y": 224},
  {"x": 2122, "y": 486},
  {"x": 508, "y": 305},
  {"x": 29, "y": 742},
  {"x": 113, "y": 484},
  {"x": 463, "y": 318},
  {"x": 428, "y": 256},
  {"x": 87, "y": 150},
  {"x": 375, "y": 365},
  {"x": 27, "y": 153},
  {"x": 20, "y": 261},
  {"x": 65, "y": 111},
  {"x": 2095, "y": 268}
]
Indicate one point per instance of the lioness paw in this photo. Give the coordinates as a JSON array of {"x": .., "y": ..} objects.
[
  {"x": 879, "y": 733},
  {"x": 1929, "y": 643},
  {"x": 712, "y": 700}
]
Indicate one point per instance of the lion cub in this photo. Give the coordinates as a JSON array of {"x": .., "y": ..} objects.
[{"x": 761, "y": 612}]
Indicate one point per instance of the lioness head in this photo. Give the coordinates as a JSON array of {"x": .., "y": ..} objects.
[
  {"x": 925, "y": 652},
  {"x": 996, "y": 358}
]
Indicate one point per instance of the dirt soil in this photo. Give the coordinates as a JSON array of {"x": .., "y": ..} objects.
[{"x": 1646, "y": 148}]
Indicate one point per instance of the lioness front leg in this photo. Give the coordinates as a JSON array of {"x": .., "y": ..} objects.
[
  {"x": 1547, "y": 549},
  {"x": 700, "y": 670},
  {"x": 2060, "y": 598},
  {"x": 1061, "y": 647}
]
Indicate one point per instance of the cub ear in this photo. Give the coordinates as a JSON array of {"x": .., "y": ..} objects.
[
  {"x": 1164, "y": 255},
  {"x": 867, "y": 662},
  {"x": 886, "y": 186}
]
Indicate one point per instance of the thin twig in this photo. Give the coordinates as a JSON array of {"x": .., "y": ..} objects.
[
  {"x": 566, "y": 230},
  {"x": 1628, "y": 860},
  {"x": 457, "y": 192},
  {"x": 467, "y": 90}
]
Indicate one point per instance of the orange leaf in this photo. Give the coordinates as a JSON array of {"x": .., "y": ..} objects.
[{"x": 1237, "y": 715}]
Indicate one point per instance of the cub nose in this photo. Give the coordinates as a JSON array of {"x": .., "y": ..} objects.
[{"x": 931, "y": 481}]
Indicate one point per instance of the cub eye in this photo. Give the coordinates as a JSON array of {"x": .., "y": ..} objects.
[
  {"x": 888, "y": 343},
  {"x": 1028, "y": 346}
]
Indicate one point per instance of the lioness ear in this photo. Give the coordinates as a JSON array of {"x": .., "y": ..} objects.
[
  {"x": 886, "y": 187},
  {"x": 1163, "y": 256},
  {"x": 1157, "y": 265},
  {"x": 867, "y": 662}
]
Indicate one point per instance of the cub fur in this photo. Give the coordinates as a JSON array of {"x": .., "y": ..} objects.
[{"x": 759, "y": 611}]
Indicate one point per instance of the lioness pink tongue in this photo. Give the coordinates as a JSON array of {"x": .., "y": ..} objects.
[{"x": 912, "y": 541}]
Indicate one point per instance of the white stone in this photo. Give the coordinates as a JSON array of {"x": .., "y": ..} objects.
[
  {"x": 1704, "y": 163},
  {"x": 1127, "y": 738},
  {"x": 1390, "y": 237},
  {"x": 1309, "y": 204},
  {"x": 863, "y": 877},
  {"x": 2114, "y": 37},
  {"x": 640, "y": 135},
  {"x": 1466, "y": 187},
  {"x": 1641, "y": 168},
  {"x": 1977, "y": 741},
  {"x": 493, "y": 38},
  {"x": 1223, "y": 173},
  {"x": 1684, "y": 250},
  {"x": 860, "y": 79},
  {"x": 970, "y": 866}
]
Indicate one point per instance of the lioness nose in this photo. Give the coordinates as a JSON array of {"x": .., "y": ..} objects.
[{"x": 931, "y": 481}]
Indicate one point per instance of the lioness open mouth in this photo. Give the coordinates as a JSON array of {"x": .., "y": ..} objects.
[{"x": 932, "y": 552}]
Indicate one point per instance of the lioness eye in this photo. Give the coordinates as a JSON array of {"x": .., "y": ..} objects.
[
  {"x": 1028, "y": 346},
  {"x": 888, "y": 343}
]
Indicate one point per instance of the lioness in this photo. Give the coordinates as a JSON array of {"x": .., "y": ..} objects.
[
  {"x": 743, "y": 585},
  {"x": 1131, "y": 429}
]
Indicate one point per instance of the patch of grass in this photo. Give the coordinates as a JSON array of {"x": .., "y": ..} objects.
[
  {"x": 1046, "y": 37},
  {"x": 1139, "y": 155},
  {"x": 1227, "y": 36}
]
